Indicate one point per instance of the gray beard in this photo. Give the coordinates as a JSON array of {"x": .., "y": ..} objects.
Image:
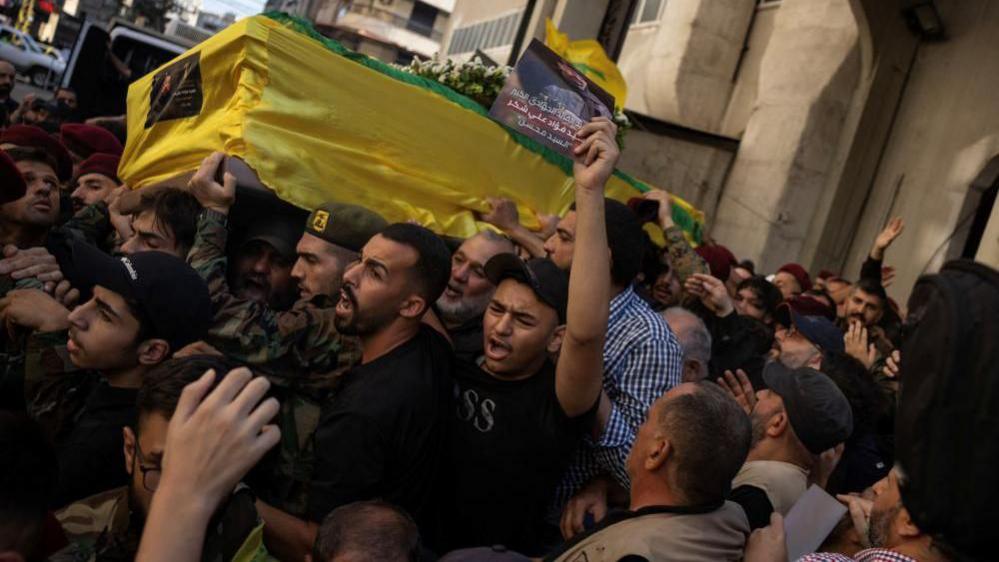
[
  {"x": 880, "y": 527},
  {"x": 456, "y": 314}
]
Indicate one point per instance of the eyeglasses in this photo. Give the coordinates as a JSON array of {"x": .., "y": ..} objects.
[{"x": 150, "y": 474}]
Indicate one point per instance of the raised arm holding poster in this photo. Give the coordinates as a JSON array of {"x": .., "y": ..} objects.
[{"x": 548, "y": 100}]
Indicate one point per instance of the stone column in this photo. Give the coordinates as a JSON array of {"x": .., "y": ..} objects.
[
  {"x": 808, "y": 75},
  {"x": 687, "y": 73}
]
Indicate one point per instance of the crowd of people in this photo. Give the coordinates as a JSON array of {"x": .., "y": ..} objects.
[{"x": 179, "y": 382}]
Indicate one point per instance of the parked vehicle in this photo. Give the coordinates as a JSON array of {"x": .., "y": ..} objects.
[
  {"x": 29, "y": 58},
  {"x": 106, "y": 59}
]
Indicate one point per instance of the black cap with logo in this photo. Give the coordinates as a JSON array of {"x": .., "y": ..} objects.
[
  {"x": 550, "y": 283},
  {"x": 171, "y": 295}
]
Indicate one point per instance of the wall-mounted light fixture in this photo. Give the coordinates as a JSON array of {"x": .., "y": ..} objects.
[{"x": 924, "y": 19}]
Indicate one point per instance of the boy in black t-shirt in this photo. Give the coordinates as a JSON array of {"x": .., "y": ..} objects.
[{"x": 519, "y": 418}]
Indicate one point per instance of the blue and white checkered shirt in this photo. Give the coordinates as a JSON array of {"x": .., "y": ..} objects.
[{"x": 642, "y": 360}]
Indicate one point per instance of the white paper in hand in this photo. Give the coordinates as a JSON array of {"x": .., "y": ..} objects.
[{"x": 810, "y": 521}]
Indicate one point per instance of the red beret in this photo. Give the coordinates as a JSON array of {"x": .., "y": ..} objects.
[
  {"x": 85, "y": 140},
  {"x": 12, "y": 186},
  {"x": 29, "y": 136},
  {"x": 720, "y": 259},
  {"x": 798, "y": 273},
  {"x": 808, "y": 306},
  {"x": 99, "y": 163}
]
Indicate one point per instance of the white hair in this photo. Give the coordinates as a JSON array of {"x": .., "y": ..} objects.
[{"x": 695, "y": 341}]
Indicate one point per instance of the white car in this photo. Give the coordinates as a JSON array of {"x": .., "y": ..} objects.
[{"x": 21, "y": 50}]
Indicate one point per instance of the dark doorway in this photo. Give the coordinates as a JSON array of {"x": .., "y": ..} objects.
[
  {"x": 979, "y": 205},
  {"x": 981, "y": 220}
]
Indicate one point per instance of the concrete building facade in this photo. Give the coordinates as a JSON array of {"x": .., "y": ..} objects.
[
  {"x": 390, "y": 30},
  {"x": 799, "y": 126}
]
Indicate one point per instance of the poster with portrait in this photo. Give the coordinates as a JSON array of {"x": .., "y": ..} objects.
[
  {"x": 547, "y": 99},
  {"x": 177, "y": 92}
]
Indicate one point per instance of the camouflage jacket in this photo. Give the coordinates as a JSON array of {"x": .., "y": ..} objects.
[
  {"x": 299, "y": 350},
  {"x": 92, "y": 224},
  {"x": 55, "y": 390},
  {"x": 301, "y": 339},
  {"x": 680, "y": 257},
  {"x": 104, "y": 528},
  {"x": 12, "y": 350}
]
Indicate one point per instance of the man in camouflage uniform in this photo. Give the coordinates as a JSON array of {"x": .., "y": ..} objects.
[
  {"x": 143, "y": 307},
  {"x": 299, "y": 349},
  {"x": 678, "y": 258},
  {"x": 108, "y": 525}
]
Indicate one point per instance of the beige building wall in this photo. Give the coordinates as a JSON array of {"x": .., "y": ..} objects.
[
  {"x": 680, "y": 69},
  {"x": 807, "y": 79},
  {"x": 471, "y": 12},
  {"x": 743, "y": 98},
  {"x": 946, "y": 131}
]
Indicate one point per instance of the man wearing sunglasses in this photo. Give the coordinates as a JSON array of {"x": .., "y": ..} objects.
[
  {"x": 108, "y": 526},
  {"x": 800, "y": 340}
]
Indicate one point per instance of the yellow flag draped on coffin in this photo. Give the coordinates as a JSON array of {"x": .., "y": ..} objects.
[{"x": 318, "y": 122}]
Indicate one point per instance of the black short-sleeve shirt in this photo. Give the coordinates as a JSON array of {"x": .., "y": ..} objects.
[
  {"x": 510, "y": 444},
  {"x": 384, "y": 433}
]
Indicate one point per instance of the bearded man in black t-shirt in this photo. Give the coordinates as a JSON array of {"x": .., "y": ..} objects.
[
  {"x": 384, "y": 433},
  {"x": 519, "y": 417}
]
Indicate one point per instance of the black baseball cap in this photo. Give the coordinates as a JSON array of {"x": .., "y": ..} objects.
[
  {"x": 550, "y": 283},
  {"x": 171, "y": 295},
  {"x": 817, "y": 329},
  {"x": 281, "y": 232},
  {"x": 819, "y": 413}
]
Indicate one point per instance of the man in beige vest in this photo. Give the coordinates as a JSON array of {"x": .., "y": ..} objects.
[
  {"x": 800, "y": 415},
  {"x": 685, "y": 455}
]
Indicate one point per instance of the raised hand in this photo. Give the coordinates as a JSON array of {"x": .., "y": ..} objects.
[
  {"x": 885, "y": 238},
  {"x": 122, "y": 223},
  {"x": 857, "y": 345},
  {"x": 65, "y": 294},
  {"x": 892, "y": 363},
  {"x": 712, "y": 293},
  {"x": 30, "y": 262},
  {"x": 211, "y": 194},
  {"x": 213, "y": 440},
  {"x": 596, "y": 154},
  {"x": 502, "y": 214},
  {"x": 737, "y": 384},
  {"x": 665, "y": 207},
  {"x": 33, "y": 309},
  {"x": 825, "y": 465}
]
